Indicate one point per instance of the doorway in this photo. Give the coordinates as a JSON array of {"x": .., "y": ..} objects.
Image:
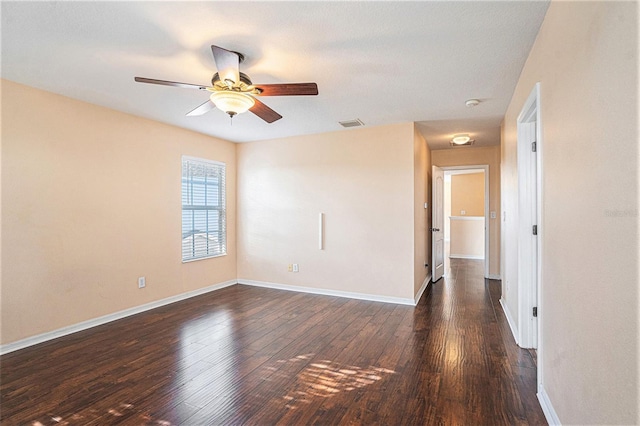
[
  {"x": 439, "y": 220},
  {"x": 529, "y": 220},
  {"x": 464, "y": 221}
]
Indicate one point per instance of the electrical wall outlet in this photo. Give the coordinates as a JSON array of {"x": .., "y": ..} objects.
[
  {"x": 142, "y": 282},
  {"x": 295, "y": 268},
  {"x": 463, "y": 212}
]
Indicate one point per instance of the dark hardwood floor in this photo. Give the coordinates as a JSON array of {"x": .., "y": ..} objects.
[{"x": 246, "y": 355}]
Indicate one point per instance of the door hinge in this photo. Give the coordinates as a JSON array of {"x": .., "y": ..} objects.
[
  {"x": 535, "y": 229},
  {"x": 535, "y": 311},
  {"x": 533, "y": 146}
]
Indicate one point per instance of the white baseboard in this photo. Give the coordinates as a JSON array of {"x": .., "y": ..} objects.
[
  {"x": 325, "y": 292},
  {"x": 465, "y": 256},
  {"x": 493, "y": 277},
  {"x": 512, "y": 323},
  {"x": 547, "y": 407},
  {"x": 423, "y": 287},
  {"x": 50, "y": 335}
]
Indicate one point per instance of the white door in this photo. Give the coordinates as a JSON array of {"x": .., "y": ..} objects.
[
  {"x": 528, "y": 230},
  {"x": 437, "y": 224}
]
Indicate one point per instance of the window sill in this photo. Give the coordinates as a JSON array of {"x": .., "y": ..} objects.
[{"x": 203, "y": 258}]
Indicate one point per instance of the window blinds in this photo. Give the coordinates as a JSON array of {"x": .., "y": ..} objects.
[{"x": 204, "y": 230}]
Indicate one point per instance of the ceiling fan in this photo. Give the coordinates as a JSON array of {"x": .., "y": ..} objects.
[{"x": 233, "y": 92}]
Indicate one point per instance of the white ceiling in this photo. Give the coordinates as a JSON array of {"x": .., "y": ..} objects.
[{"x": 381, "y": 62}]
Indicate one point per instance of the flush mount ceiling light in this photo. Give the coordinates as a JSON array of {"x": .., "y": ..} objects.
[
  {"x": 232, "y": 102},
  {"x": 460, "y": 139}
]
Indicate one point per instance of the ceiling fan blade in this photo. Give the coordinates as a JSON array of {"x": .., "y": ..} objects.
[
  {"x": 264, "y": 112},
  {"x": 170, "y": 83},
  {"x": 288, "y": 89},
  {"x": 228, "y": 64},
  {"x": 201, "y": 109}
]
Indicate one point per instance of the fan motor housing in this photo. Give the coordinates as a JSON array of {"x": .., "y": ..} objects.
[{"x": 243, "y": 78}]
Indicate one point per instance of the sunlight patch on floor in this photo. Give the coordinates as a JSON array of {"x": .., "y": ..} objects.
[
  {"x": 323, "y": 378},
  {"x": 95, "y": 415}
]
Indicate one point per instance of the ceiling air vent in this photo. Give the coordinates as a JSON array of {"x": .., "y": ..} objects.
[{"x": 351, "y": 123}]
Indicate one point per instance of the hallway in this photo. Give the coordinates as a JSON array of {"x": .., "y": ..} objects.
[
  {"x": 260, "y": 356},
  {"x": 486, "y": 367}
]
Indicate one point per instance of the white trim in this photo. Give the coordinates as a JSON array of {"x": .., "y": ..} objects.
[
  {"x": 541, "y": 228},
  {"x": 195, "y": 259},
  {"x": 463, "y": 171},
  {"x": 423, "y": 287},
  {"x": 204, "y": 160},
  {"x": 64, "y": 331},
  {"x": 547, "y": 407},
  {"x": 487, "y": 200},
  {"x": 465, "y": 256},
  {"x": 512, "y": 324},
  {"x": 438, "y": 206},
  {"x": 493, "y": 277},
  {"x": 529, "y": 257},
  {"x": 466, "y": 217},
  {"x": 74, "y": 328},
  {"x": 326, "y": 292},
  {"x": 50, "y": 335}
]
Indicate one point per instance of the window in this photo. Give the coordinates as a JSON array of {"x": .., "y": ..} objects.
[{"x": 204, "y": 230}]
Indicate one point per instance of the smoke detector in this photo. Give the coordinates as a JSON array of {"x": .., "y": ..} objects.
[{"x": 471, "y": 103}]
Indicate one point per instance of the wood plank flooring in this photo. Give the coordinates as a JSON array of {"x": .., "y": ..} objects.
[{"x": 245, "y": 355}]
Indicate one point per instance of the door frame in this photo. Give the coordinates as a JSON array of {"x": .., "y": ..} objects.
[
  {"x": 437, "y": 212},
  {"x": 485, "y": 167},
  {"x": 530, "y": 288}
]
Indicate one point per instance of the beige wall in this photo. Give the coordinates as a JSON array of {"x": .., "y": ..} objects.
[
  {"x": 586, "y": 60},
  {"x": 467, "y": 237},
  {"x": 361, "y": 179},
  {"x": 89, "y": 210},
  {"x": 467, "y": 194},
  {"x": 478, "y": 156},
  {"x": 422, "y": 216},
  {"x": 91, "y": 201}
]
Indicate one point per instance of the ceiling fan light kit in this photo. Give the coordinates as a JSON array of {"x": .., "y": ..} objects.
[
  {"x": 232, "y": 102},
  {"x": 233, "y": 92}
]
